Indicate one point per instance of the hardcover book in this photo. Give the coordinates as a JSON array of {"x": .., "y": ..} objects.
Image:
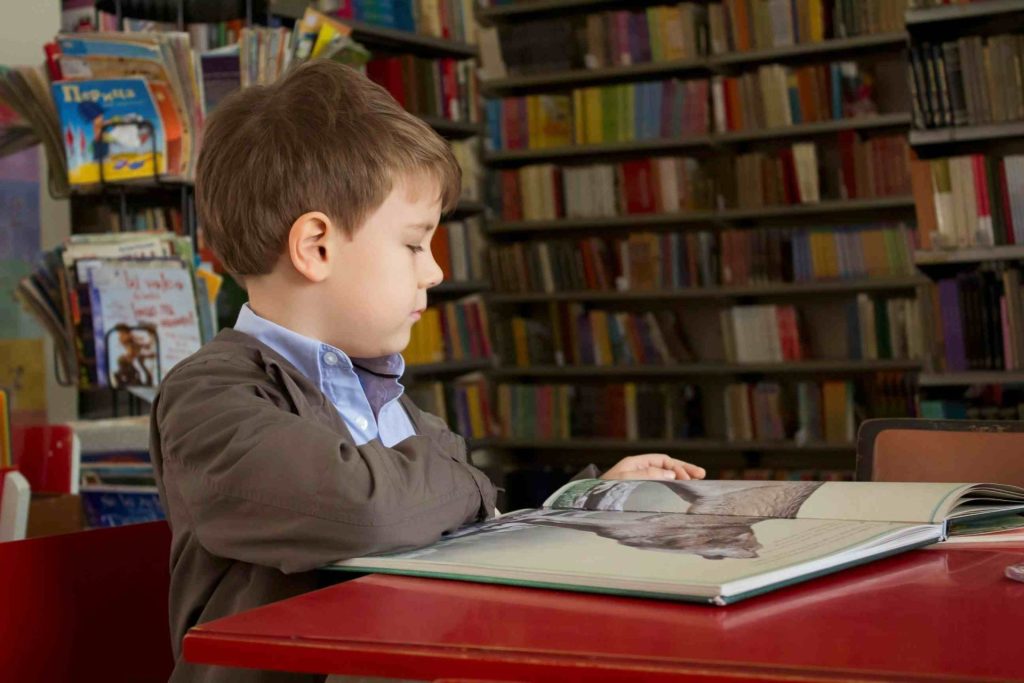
[{"x": 716, "y": 542}]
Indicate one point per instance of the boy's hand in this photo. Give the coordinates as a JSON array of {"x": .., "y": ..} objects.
[{"x": 653, "y": 466}]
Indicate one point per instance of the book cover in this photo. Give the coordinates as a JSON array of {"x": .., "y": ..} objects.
[{"x": 115, "y": 122}]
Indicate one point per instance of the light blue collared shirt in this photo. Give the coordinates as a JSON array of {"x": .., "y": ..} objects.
[{"x": 365, "y": 394}]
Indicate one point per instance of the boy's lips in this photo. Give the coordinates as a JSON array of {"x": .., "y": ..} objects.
[{"x": 417, "y": 313}]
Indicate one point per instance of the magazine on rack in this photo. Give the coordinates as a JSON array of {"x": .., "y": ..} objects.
[{"x": 705, "y": 541}]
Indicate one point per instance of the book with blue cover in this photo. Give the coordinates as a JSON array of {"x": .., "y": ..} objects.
[{"x": 113, "y": 121}]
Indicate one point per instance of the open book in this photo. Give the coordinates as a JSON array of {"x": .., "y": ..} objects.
[{"x": 704, "y": 541}]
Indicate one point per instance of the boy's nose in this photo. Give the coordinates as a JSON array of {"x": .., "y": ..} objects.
[{"x": 433, "y": 275}]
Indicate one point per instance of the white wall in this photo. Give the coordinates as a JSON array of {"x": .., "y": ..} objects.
[{"x": 25, "y": 25}]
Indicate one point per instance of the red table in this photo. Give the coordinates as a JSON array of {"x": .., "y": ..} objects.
[{"x": 926, "y": 615}]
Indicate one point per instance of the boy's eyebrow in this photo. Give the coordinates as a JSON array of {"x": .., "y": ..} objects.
[{"x": 425, "y": 226}]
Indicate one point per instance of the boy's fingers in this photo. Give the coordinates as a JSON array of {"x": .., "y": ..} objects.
[{"x": 648, "y": 473}]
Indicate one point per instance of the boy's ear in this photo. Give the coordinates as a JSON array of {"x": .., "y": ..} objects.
[{"x": 309, "y": 245}]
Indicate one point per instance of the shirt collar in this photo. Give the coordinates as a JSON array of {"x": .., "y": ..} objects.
[{"x": 304, "y": 352}]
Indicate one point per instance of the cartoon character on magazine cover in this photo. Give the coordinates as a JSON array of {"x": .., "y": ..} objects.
[{"x": 128, "y": 132}]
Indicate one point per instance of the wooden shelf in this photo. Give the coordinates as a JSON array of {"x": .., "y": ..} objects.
[
  {"x": 689, "y": 218},
  {"x": 947, "y": 136},
  {"x": 829, "y": 367},
  {"x": 453, "y": 130},
  {"x": 662, "y": 445},
  {"x": 893, "y": 120},
  {"x": 971, "y": 378},
  {"x": 458, "y": 288},
  {"x": 450, "y": 367},
  {"x": 588, "y": 77},
  {"x": 777, "y": 290},
  {"x": 388, "y": 38},
  {"x": 969, "y": 255},
  {"x": 976, "y": 10},
  {"x": 634, "y": 148},
  {"x": 527, "y": 156},
  {"x": 825, "y": 48},
  {"x": 708, "y": 218},
  {"x": 830, "y": 206}
]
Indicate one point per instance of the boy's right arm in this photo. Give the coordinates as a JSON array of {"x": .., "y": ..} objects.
[{"x": 263, "y": 485}]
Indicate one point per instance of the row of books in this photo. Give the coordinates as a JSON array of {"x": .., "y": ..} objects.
[
  {"x": 971, "y": 81},
  {"x": 465, "y": 404},
  {"x": 646, "y": 185},
  {"x": 800, "y": 174},
  {"x": 615, "y": 411},
  {"x": 993, "y": 402},
  {"x": 876, "y": 329},
  {"x": 445, "y": 87},
  {"x": 459, "y": 248},
  {"x": 762, "y": 333},
  {"x": 665, "y": 261},
  {"x": 969, "y": 200},
  {"x": 574, "y": 335},
  {"x": 604, "y": 39},
  {"x": 977, "y": 321},
  {"x": 884, "y": 328},
  {"x": 602, "y": 114},
  {"x": 122, "y": 308},
  {"x": 776, "y": 95},
  {"x": 806, "y": 172},
  {"x": 824, "y": 412},
  {"x": 102, "y": 217},
  {"x": 742, "y": 25},
  {"x": 449, "y": 19},
  {"x": 454, "y": 331}
]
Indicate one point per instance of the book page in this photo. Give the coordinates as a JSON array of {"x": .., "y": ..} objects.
[
  {"x": 866, "y": 501},
  {"x": 637, "y": 551}
]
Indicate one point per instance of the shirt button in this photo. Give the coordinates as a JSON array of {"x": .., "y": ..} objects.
[
  {"x": 331, "y": 358},
  {"x": 362, "y": 423}
]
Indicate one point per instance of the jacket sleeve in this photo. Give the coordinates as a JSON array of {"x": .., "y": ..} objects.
[{"x": 263, "y": 485}]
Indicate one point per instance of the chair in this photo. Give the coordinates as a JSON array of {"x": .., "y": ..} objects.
[
  {"x": 87, "y": 606},
  {"x": 941, "y": 451}
]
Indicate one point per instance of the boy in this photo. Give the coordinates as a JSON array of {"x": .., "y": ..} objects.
[{"x": 287, "y": 443}]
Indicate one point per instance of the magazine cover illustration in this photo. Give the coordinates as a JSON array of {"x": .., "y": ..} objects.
[{"x": 114, "y": 121}]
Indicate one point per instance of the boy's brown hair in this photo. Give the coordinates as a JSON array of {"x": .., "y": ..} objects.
[{"x": 323, "y": 138}]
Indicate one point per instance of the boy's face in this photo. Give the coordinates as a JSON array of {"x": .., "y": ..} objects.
[{"x": 379, "y": 285}]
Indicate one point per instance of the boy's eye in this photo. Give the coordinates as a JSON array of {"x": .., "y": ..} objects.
[{"x": 415, "y": 248}]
